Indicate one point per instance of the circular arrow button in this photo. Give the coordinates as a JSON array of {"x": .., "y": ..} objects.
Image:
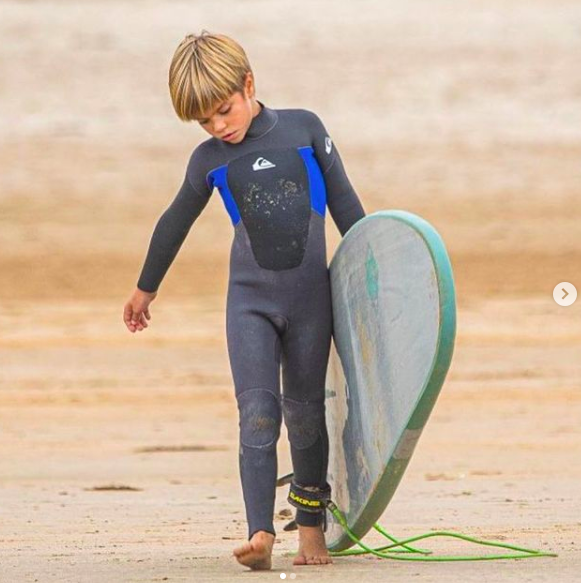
[{"x": 565, "y": 293}]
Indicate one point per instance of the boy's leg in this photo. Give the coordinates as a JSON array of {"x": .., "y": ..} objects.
[
  {"x": 254, "y": 352},
  {"x": 306, "y": 347}
]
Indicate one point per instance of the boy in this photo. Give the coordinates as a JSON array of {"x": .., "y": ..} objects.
[{"x": 276, "y": 171}]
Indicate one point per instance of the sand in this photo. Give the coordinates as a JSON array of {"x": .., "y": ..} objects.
[{"x": 118, "y": 452}]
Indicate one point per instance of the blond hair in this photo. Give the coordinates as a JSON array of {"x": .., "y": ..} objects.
[{"x": 206, "y": 69}]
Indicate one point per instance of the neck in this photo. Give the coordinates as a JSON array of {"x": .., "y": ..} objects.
[{"x": 255, "y": 107}]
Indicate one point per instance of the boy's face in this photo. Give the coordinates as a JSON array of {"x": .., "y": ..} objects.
[{"x": 229, "y": 121}]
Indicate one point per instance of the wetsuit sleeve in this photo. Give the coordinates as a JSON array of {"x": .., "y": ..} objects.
[
  {"x": 171, "y": 231},
  {"x": 342, "y": 200}
]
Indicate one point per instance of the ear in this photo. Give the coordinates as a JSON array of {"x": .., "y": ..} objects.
[{"x": 249, "y": 85}]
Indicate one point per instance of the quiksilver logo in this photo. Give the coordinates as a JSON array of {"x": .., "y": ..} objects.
[
  {"x": 328, "y": 145},
  {"x": 262, "y": 164}
]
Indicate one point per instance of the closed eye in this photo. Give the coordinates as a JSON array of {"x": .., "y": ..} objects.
[{"x": 223, "y": 112}]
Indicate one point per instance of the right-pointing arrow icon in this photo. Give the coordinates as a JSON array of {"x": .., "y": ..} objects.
[{"x": 565, "y": 293}]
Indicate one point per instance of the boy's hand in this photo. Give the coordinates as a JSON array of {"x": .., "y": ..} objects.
[{"x": 136, "y": 310}]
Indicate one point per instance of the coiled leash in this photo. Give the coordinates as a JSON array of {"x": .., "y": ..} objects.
[{"x": 318, "y": 500}]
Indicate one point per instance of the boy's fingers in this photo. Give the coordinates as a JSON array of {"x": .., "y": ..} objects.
[
  {"x": 127, "y": 314},
  {"x": 136, "y": 316},
  {"x": 135, "y": 320}
]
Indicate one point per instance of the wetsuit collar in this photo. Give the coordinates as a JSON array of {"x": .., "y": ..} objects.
[{"x": 262, "y": 123}]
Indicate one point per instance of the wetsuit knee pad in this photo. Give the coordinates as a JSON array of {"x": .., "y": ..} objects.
[
  {"x": 260, "y": 418},
  {"x": 304, "y": 421}
]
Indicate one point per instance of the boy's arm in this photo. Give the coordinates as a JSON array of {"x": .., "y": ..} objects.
[
  {"x": 342, "y": 200},
  {"x": 169, "y": 234}
]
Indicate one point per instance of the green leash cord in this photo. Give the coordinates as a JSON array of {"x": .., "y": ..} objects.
[{"x": 379, "y": 552}]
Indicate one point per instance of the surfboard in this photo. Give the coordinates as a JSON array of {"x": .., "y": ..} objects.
[{"x": 394, "y": 320}]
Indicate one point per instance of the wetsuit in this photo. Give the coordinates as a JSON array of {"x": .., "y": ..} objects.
[{"x": 275, "y": 185}]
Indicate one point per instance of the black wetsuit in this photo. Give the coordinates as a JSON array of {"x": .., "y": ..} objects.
[{"x": 275, "y": 185}]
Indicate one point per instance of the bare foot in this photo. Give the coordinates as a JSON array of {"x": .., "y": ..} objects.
[
  {"x": 256, "y": 553},
  {"x": 312, "y": 547}
]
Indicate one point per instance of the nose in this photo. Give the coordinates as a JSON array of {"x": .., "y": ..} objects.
[{"x": 219, "y": 126}]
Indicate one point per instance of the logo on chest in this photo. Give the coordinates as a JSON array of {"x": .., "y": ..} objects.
[{"x": 262, "y": 164}]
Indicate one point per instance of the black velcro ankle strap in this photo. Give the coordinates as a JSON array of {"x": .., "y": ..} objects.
[{"x": 308, "y": 498}]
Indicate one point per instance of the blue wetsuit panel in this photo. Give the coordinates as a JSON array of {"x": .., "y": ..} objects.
[
  {"x": 316, "y": 180},
  {"x": 219, "y": 178}
]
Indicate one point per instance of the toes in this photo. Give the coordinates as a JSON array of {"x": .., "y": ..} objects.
[
  {"x": 312, "y": 560},
  {"x": 315, "y": 560}
]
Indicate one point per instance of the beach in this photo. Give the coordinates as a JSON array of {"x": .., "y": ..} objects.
[{"x": 119, "y": 451}]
